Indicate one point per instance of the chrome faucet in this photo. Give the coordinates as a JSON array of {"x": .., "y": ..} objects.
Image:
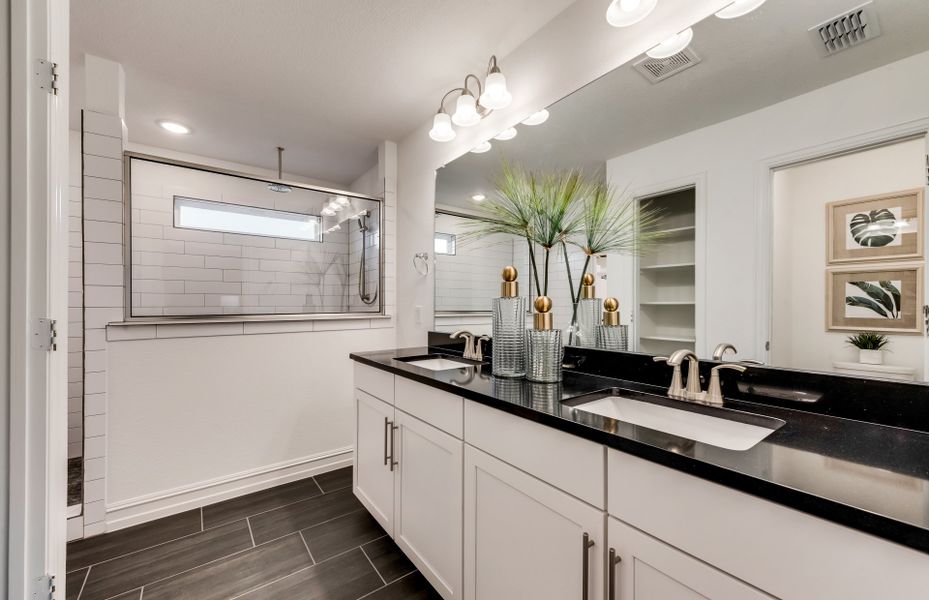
[
  {"x": 472, "y": 349},
  {"x": 721, "y": 350},
  {"x": 693, "y": 392}
]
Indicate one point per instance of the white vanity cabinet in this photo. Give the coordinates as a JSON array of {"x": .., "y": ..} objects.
[
  {"x": 644, "y": 568},
  {"x": 373, "y": 475},
  {"x": 525, "y": 538}
]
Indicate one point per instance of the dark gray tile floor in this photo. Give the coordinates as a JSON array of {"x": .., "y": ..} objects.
[{"x": 310, "y": 539}]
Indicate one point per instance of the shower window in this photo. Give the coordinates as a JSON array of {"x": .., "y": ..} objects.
[
  {"x": 204, "y": 243},
  {"x": 445, "y": 243}
]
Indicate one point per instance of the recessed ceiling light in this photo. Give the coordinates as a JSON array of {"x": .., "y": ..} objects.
[
  {"x": 506, "y": 134},
  {"x": 478, "y": 197},
  {"x": 537, "y": 118},
  {"x": 174, "y": 127},
  {"x": 623, "y": 13},
  {"x": 481, "y": 148},
  {"x": 739, "y": 8},
  {"x": 672, "y": 45}
]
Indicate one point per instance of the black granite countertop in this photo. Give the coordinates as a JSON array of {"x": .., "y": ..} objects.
[{"x": 868, "y": 476}]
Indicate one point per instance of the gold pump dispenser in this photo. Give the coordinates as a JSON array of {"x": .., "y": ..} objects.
[
  {"x": 542, "y": 319},
  {"x": 587, "y": 287},
  {"x": 611, "y": 312},
  {"x": 510, "y": 287}
]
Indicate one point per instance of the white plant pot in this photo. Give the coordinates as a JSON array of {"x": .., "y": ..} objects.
[{"x": 871, "y": 357}]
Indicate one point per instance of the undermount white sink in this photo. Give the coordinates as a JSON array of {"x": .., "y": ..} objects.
[
  {"x": 720, "y": 432},
  {"x": 439, "y": 364}
]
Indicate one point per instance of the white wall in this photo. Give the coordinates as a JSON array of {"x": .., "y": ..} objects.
[
  {"x": 4, "y": 292},
  {"x": 730, "y": 154},
  {"x": 799, "y": 337},
  {"x": 574, "y": 48}
]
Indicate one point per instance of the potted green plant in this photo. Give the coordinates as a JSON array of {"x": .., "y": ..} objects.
[
  {"x": 553, "y": 210},
  {"x": 870, "y": 347}
]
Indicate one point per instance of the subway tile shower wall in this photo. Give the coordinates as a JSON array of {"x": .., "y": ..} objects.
[{"x": 178, "y": 271}]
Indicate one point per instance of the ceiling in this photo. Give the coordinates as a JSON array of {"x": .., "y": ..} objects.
[
  {"x": 747, "y": 63},
  {"x": 326, "y": 79}
]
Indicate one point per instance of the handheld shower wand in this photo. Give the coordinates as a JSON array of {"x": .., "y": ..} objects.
[{"x": 362, "y": 275}]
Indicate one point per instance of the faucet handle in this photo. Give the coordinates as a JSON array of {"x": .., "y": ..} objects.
[{"x": 714, "y": 394}]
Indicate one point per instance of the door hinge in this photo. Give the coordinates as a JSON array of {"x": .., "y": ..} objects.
[
  {"x": 47, "y": 74},
  {"x": 45, "y": 334},
  {"x": 44, "y": 588}
]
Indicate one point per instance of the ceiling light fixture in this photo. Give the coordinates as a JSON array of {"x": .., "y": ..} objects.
[
  {"x": 327, "y": 212},
  {"x": 174, "y": 127},
  {"x": 672, "y": 45},
  {"x": 506, "y": 134},
  {"x": 278, "y": 186},
  {"x": 623, "y": 13},
  {"x": 478, "y": 197},
  {"x": 537, "y": 118},
  {"x": 739, "y": 8},
  {"x": 481, "y": 148},
  {"x": 471, "y": 107}
]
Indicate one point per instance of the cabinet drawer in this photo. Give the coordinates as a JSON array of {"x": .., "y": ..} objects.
[
  {"x": 785, "y": 552},
  {"x": 376, "y": 382},
  {"x": 440, "y": 409},
  {"x": 560, "y": 459}
]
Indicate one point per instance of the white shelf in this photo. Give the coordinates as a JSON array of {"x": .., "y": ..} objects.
[
  {"x": 668, "y": 338},
  {"x": 667, "y": 266},
  {"x": 674, "y": 303}
]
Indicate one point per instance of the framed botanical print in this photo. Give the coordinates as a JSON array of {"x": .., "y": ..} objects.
[
  {"x": 888, "y": 227},
  {"x": 885, "y": 299}
]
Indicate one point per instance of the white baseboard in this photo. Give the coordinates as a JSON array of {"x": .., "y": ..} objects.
[{"x": 149, "y": 507}]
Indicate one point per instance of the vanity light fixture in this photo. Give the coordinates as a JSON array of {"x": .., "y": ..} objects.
[
  {"x": 341, "y": 200},
  {"x": 506, "y": 134},
  {"x": 173, "y": 127},
  {"x": 478, "y": 197},
  {"x": 623, "y": 13},
  {"x": 327, "y": 212},
  {"x": 672, "y": 45},
  {"x": 471, "y": 107},
  {"x": 537, "y": 118},
  {"x": 481, "y": 148},
  {"x": 739, "y": 8}
]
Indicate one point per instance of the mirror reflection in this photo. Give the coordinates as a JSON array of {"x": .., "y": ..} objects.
[{"x": 789, "y": 181}]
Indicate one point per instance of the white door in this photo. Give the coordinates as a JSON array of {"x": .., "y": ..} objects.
[
  {"x": 526, "y": 539},
  {"x": 925, "y": 307},
  {"x": 374, "y": 465},
  {"x": 38, "y": 284},
  {"x": 429, "y": 502},
  {"x": 645, "y": 568}
]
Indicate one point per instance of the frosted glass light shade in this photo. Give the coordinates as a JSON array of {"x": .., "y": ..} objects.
[
  {"x": 672, "y": 45},
  {"x": 495, "y": 95},
  {"x": 506, "y": 134},
  {"x": 623, "y": 13},
  {"x": 537, "y": 118},
  {"x": 442, "y": 130},
  {"x": 481, "y": 148},
  {"x": 739, "y": 8},
  {"x": 466, "y": 111}
]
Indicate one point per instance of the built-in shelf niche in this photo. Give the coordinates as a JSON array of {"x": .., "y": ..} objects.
[{"x": 666, "y": 278}]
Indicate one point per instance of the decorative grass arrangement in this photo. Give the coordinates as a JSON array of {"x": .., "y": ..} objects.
[
  {"x": 552, "y": 210},
  {"x": 868, "y": 341}
]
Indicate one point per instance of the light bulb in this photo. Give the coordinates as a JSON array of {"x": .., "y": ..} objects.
[
  {"x": 623, "y": 13},
  {"x": 342, "y": 200},
  {"x": 537, "y": 118},
  {"x": 481, "y": 148},
  {"x": 506, "y": 134},
  {"x": 442, "y": 130},
  {"x": 672, "y": 45},
  {"x": 739, "y": 8},
  {"x": 466, "y": 111},
  {"x": 495, "y": 95},
  {"x": 478, "y": 197},
  {"x": 336, "y": 206},
  {"x": 174, "y": 127},
  {"x": 327, "y": 212}
]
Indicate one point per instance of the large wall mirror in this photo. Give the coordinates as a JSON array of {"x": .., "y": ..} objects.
[{"x": 791, "y": 176}]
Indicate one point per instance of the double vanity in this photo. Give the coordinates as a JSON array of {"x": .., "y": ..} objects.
[{"x": 603, "y": 487}]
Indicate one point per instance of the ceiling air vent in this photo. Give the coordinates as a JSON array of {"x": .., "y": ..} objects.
[
  {"x": 659, "y": 69},
  {"x": 849, "y": 29}
]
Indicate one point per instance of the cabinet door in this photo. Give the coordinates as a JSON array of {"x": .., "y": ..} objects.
[
  {"x": 373, "y": 476},
  {"x": 649, "y": 569},
  {"x": 429, "y": 501},
  {"x": 526, "y": 539}
]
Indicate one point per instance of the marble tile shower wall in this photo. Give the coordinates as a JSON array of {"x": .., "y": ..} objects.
[{"x": 188, "y": 272}]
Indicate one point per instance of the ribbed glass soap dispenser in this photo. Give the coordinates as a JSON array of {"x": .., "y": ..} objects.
[
  {"x": 588, "y": 314},
  {"x": 509, "y": 328},
  {"x": 545, "y": 347},
  {"x": 610, "y": 334}
]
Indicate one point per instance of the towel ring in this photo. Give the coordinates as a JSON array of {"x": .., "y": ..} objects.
[{"x": 421, "y": 263}]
